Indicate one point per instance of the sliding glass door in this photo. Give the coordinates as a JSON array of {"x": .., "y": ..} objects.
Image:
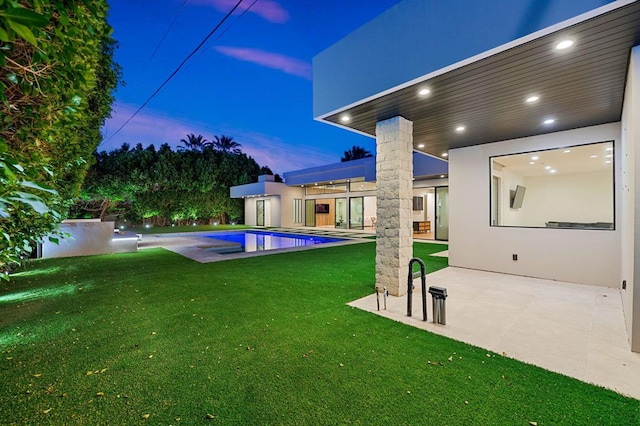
[
  {"x": 442, "y": 213},
  {"x": 310, "y": 213},
  {"x": 342, "y": 213},
  {"x": 356, "y": 209}
]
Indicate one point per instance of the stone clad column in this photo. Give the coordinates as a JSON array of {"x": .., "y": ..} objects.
[{"x": 394, "y": 191}]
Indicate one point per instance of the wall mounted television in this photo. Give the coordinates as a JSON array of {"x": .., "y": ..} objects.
[
  {"x": 517, "y": 197},
  {"x": 322, "y": 208}
]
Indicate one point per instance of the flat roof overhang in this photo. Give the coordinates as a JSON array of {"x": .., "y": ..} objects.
[
  {"x": 257, "y": 189},
  {"x": 363, "y": 169},
  {"x": 578, "y": 87}
]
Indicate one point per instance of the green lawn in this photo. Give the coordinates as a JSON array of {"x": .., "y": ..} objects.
[{"x": 108, "y": 340}]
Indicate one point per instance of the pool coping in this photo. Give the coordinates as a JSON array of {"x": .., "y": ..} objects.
[{"x": 194, "y": 245}]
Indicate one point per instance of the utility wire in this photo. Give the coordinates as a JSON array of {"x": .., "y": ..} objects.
[
  {"x": 175, "y": 18},
  {"x": 229, "y": 26},
  {"x": 184, "y": 61}
]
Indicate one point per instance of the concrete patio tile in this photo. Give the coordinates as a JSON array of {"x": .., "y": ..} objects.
[{"x": 572, "y": 329}]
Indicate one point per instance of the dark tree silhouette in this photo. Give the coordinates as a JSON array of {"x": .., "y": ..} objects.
[
  {"x": 226, "y": 144},
  {"x": 193, "y": 143},
  {"x": 355, "y": 153}
]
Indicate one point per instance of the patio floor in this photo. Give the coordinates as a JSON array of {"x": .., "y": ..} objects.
[{"x": 572, "y": 329}]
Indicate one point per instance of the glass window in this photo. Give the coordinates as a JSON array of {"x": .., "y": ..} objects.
[
  {"x": 297, "y": 210},
  {"x": 337, "y": 188},
  {"x": 356, "y": 208},
  {"x": 362, "y": 186},
  {"x": 570, "y": 187}
]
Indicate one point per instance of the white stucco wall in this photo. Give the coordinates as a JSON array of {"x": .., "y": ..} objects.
[
  {"x": 573, "y": 255},
  {"x": 630, "y": 210},
  {"x": 547, "y": 198},
  {"x": 278, "y": 208},
  {"x": 88, "y": 237}
]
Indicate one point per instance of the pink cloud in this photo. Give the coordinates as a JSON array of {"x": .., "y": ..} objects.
[
  {"x": 153, "y": 127},
  {"x": 268, "y": 10},
  {"x": 270, "y": 60}
]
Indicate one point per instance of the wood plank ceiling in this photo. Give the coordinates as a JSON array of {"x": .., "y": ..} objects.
[{"x": 581, "y": 86}]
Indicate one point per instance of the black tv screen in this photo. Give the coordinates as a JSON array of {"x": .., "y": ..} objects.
[{"x": 322, "y": 208}]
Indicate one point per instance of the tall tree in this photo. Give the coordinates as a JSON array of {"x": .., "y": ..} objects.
[
  {"x": 193, "y": 143},
  {"x": 355, "y": 153},
  {"x": 166, "y": 186},
  {"x": 226, "y": 144}
]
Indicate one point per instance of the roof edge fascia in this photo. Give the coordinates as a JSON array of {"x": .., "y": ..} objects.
[{"x": 618, "y": 4}]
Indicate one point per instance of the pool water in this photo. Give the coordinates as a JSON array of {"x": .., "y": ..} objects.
[{"x": 258, "y": 241}]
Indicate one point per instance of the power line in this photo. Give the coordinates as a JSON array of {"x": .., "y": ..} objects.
[
  {"x": 175, "y": 18},
  {"x": 184, "y": 61},
  {"x": 231, "y": 25}
]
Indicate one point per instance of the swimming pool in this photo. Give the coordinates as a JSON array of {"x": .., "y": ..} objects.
[{"x": 250, "y": 241}]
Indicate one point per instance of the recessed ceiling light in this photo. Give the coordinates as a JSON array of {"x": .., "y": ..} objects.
[
  {"x": 535, "y": 157},
  {"x": 564, "y": 44},
  {"x": 552, "y": 171},
  {"x": 548, "y": 167},
  {"x": 532, "y": 162},
  {"x": 424, "y": 92},
  {"x": 441, "y": 176},
  {"x": 608, "y": 162},
  {"x": 566, "y": 151},
  {"x": 609, "y": 149},
  {"x": 593, "y": 156},
  {"x": 533, "y": 98},
  {"x": 345, "y": 118},
  {"x": 609, "y": 155},
  {"x": 549, "y": 121},
  {"x": 460, "y": 129},
  {"x": 444, "y": 154},
  {"x": 421, "y": 145}
]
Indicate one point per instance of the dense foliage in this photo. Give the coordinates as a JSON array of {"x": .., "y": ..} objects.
[
  {"x": 56, "y": 90},
  {"x": 163, "y": 187}
]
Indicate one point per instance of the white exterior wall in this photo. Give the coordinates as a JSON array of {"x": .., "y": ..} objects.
[
  {"x": 573, "y": 255},
  {"x": 416, "y": 37},
  {"x": 278, "y": 208},
  {"x": 88, "y": 237},
  {"x": 630, "y": 211}
]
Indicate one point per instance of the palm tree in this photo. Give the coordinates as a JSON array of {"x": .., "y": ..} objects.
[
  {"x": 193, "y": 143},
  {"x": 355, "y": 153},
  {"x": 226, "y": 144}
]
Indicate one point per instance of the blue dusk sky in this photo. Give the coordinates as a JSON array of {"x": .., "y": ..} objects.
[{"x": 250, "y": 81}]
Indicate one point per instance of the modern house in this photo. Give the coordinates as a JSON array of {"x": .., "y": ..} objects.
[
  {"x": 536, "y": 105},
  {"x": 343, "y": 196}
]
